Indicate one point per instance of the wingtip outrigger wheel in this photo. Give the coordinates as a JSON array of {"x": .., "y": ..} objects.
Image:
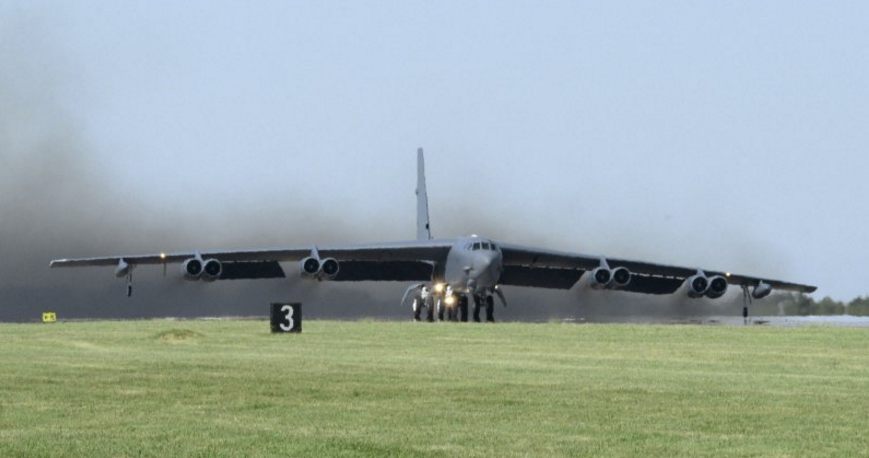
[
  {"x": 746, "y": 301},
  {"x": 130, "y": 283}
]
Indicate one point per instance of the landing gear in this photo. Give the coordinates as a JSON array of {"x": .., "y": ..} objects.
[
  {"x": 429, "y": 308},
  {"x": 453, "y": 307},
  {"x": 490, "y": 309},
  {"x": 424, "y": 299},
  {"x": 453, "y": 312},
  {"x": 477, "y": 301},
  {"x": 417, "y": 309},
  {"x": 463, "y": 308}
]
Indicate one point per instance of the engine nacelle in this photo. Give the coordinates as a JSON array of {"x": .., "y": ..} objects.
[
  {"x": 192, "y": 269},
  {"x": 329, "y": 268},
  {"x": 621, "y": 276},
  {"x": 309, "y": 267},
  {"x": 601, "y": 277},
  {"x": 761, "y": 290},
  {"x": 211, "y": 270},
  {"x": 696, "y": 285},
  {"x": 717, "y": 287}
]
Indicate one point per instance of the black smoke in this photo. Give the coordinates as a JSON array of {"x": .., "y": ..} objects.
[{"x": 57, "y": 200}]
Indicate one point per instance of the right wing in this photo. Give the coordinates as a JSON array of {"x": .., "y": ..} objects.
[{"x": 527, "y": 266}]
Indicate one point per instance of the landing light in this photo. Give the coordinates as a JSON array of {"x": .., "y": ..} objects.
[
  {"x": 727, "y": 274},
  {"x": 163, "y": 256},
  {"x": 439, "y": 287},
  {"x": 450, "y": 300}
]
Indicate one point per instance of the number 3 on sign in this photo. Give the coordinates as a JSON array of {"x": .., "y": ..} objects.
[{"x": 288, "y": 316}]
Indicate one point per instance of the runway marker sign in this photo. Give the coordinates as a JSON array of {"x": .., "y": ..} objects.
[
  {"x": 286, "y": 317},
  {"x": 49, "y": 317}
]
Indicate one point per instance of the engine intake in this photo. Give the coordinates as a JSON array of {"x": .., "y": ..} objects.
[
  {"x": 192, "y": 269},
  {"x": 621, "y": 277},
  {"x": 696, "y": 285},
  {"x": 717, "y": 287},
  {"x": 601, "y": 278},
  {"x": 329, "y": 268},
  {"x": 309, "y": 267},
  {"x": 211, "y": 270}
]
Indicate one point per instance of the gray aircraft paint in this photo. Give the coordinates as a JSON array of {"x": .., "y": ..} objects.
[
  {"x": 468, "y": 265},
  {"x": 423, "y": 224}
]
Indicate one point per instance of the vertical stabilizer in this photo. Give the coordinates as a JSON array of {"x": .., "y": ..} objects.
[{"x": 423, "y": 231}]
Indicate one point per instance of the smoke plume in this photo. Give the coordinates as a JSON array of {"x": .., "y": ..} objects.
[{"x": 57, "y": 201}]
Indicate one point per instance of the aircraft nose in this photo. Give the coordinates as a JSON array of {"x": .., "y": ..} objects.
[{"x": 482, "y": 264}]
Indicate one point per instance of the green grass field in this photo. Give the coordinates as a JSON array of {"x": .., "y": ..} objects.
[{"x": 229, "y": 388}]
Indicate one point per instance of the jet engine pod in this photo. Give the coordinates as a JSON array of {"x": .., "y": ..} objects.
[
  {"x": 309, "y": 267},
  {"x": 761, "y": 290},
  {"x": 211, "y": 270},
  {"x": 696, "y": 285},
  {"x": 601, "y": 278},
  {"x": 192, "y": 269},
  {"x": 329, "y": 268},
  {"x": 717, "y": 287},
  {"x": 621, "y": 277}
]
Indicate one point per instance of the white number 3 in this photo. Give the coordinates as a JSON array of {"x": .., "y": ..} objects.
[{"x": 288, "y": 315}]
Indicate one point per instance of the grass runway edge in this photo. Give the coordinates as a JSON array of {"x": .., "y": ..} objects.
[{"x": 368, "y": 388}]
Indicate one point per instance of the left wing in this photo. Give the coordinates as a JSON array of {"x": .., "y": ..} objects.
[
  {"x": 393, "y": 261},
  {"x": 526, "y": 266}
]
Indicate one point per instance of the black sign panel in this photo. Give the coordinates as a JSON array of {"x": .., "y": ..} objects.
[{"x": 286, "y": 317}]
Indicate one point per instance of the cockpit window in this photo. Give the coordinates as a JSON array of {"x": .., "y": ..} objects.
[
  {"x": 486, "y": 246},
  {"x": 494, "y": 247},
  {"x": 476, "y": 246}
]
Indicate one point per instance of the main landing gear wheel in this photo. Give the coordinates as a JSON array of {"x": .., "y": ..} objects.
[
  {"x": 417, "y": 309},
  {"x": 429, "y": 309},
  {"x": 453, "y": 312},
  {"x": 477, "y": 302},
  {"x": 490, "y": 309},
  {"x": 463, "y": 308}
]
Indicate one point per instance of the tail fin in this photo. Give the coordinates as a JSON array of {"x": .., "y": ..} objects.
[{"x": 423, "y": 231}]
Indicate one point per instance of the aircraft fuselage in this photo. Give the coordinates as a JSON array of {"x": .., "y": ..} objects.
[{"x": 473, "y": 266}]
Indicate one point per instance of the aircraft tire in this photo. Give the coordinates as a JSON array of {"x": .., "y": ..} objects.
[
  {"x": 490, "y": 309},
  {"x": 463, "y": 309},
  {"x": 477, "y": 309},
  {"x": 429, "y": 308}
]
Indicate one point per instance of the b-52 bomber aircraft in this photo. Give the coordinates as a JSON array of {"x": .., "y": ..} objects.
[{"x": 448, "y": 273}]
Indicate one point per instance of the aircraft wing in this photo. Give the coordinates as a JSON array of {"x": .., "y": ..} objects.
[
  {"x": 393, "y": 261},
  {"x": 527, "y": 266}
]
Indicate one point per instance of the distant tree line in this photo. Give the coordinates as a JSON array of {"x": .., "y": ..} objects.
[{"x": 800, "y": 304}]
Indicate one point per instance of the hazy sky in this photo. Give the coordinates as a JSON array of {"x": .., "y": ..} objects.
[{"x": 728, "y": 135}]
